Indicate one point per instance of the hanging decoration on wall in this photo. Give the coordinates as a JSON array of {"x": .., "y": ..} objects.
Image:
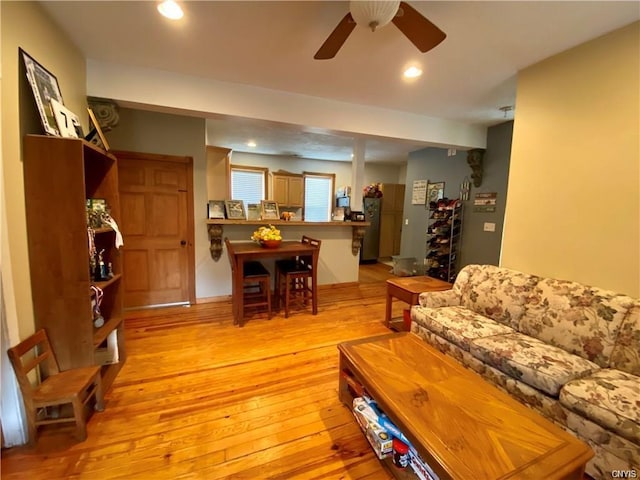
[
  {"x": 465, "y": 186},
  {"x": 485, "y": 202}
]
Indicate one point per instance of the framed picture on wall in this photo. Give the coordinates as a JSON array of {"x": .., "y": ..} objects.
[
  {"x": 435, "y": 192},
  {"x": 235, "y": 209},
  {"x": 45, "y": 88}
]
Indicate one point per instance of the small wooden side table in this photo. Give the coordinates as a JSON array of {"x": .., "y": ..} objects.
[{"x": 408, "y": 289}]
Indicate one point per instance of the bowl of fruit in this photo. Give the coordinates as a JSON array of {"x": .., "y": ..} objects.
[{"x": 267, "y": 237}]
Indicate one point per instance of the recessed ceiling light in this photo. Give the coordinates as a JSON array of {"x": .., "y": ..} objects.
[
  {"x": 251, "y": 143},
  {"x": 412, "y": 72},
  {"x": 170, "y": 9}
]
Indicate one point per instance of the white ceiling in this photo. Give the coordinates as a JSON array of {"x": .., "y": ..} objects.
[{"x": 269, "y": 44}]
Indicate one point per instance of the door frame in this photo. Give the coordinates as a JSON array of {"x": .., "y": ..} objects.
[{"x": 188, "y": 162}]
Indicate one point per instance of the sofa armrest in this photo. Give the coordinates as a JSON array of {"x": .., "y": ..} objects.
[{"x": 446, "y": 298}]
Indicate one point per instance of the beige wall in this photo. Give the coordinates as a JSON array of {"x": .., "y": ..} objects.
[
  {"x": 573, "y": 204},
  {"x": 25, "y": 25}
]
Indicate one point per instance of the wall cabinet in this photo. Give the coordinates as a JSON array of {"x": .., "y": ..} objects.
[
  {"x": 288, "y": 189},
  {"x": 60, "y": 174}
]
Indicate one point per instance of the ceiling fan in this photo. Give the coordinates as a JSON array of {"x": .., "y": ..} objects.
[{"x": 374, "y": 14}]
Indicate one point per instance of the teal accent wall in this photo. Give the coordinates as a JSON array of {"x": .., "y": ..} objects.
[{"x": 435, "y": 165}]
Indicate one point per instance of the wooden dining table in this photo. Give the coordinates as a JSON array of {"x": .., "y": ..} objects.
[{"x": 246, "y": 251}]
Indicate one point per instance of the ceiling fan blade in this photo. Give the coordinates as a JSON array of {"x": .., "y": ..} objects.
[
  {"x": 337, "y": 38},
  {"x": 422, "y": 33}
]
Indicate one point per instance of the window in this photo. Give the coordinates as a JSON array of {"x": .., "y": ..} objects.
[
  {"x": 248, "y": 184},
  {"x": 318, "y": 197}
]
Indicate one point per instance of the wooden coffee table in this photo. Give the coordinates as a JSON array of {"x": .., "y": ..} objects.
[
  {"x": 461, "y": 425},
  {"x": 408, "y": 289}
]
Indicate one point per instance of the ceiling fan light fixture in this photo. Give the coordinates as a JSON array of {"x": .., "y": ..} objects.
[
  {"x": 374, "y": 14},
  {"x": 412, "y": 72},
  {"x": 170, "y": 9}
]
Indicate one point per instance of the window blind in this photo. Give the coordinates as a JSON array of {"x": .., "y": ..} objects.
[
  {"x": 247, "y": 185},
  {"x": 318, "y": 198}
]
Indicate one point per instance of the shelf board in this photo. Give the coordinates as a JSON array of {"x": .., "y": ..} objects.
[
  {"x": 103, "y": 230},
  {"x": 287, "y": 223},
  {"x": 101, "y": 334},
  {"x": 106, "y": 283}
]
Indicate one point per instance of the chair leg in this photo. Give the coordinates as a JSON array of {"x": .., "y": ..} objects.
[
  {"x": 99, "y": 406},
  {"x": 276, "y": 290},
  {"x": 32, "y": 428},
  {"x": 81, "y": 423},
  {"x": 267, "y": 292},
  {"x": 305, "y": 287},
  {"x": 287, "y": 295}
]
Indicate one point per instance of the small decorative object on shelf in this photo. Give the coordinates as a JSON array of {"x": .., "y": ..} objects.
[
  {"x": 98, "y": 319},
  {"x": 268, "y": 237},
  {"x": 97, "y": 212},
  {"x": 373, "y": 191}
]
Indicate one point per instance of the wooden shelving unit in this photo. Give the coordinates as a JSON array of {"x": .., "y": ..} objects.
[{"x": 59, "y": 175}]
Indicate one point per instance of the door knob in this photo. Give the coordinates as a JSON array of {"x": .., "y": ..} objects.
[{"x": 183, "y": 242}]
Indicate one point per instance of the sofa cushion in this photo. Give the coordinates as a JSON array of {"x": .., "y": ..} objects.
[
  {"x": 531, "y": 361},
  {"x": 626, "y": 352},
  {"x": 458, "y": 325},
  {"x": 610, "y": 398},
  {"x": 580, "y": 319},
  {"x": 498, "y": 293}
]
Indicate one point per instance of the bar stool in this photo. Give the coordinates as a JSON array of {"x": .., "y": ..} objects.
[
  {"x": 293, "y": 280},
  {"x": 256, "y": 281}
]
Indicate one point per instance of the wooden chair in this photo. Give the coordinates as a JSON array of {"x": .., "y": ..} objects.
[
  {"x": 293, "y": 280},
  {"x": 256, "y": 281},
  {"x": 45, "y": 401}
]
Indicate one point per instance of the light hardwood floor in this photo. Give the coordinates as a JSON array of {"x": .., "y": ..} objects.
[{"x": 200, "y": 398}]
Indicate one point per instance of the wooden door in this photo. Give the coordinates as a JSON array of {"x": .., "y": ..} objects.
[{"x": 157, "y": 224}]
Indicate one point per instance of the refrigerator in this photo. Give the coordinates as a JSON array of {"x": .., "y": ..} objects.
[{"x": 371, "y": 240}]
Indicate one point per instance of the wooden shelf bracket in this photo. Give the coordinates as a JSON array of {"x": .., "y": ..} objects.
[{"x": 215, "y": 237}]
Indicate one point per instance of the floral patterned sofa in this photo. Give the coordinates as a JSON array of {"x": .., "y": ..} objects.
[{"x": 568, "y": 350}]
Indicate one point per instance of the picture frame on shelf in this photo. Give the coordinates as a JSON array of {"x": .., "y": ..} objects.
[
  {"x": 235, "y": 209},
  {"x": 253, "y": 211},
  {"x": 67, "y": 121},
  {"x": 96, "y": 136},
  {"x": 270, "y": 210},
  {"x": 97, "y": 210},
  {"x": 215, "y": 209},
  {"x": 44, "y": 86}
]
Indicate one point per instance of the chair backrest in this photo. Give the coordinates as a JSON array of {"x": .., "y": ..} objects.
[
  {"x": 307, "y": 260},
  {"x": 41, "y": 357},
  {"x": 230, "y": 254}
]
